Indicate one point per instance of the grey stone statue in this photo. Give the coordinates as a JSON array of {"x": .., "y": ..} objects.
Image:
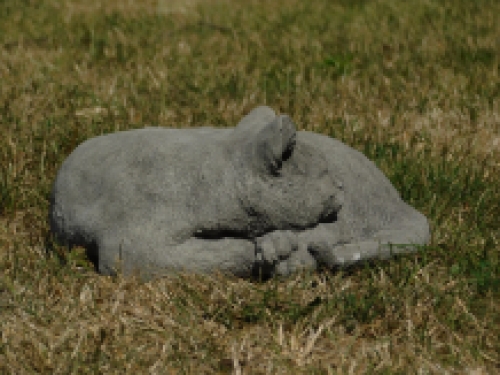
[{"x": 258, "y": 198}]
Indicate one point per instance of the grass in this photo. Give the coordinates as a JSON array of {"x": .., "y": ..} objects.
[{"x": 414, "y": 85}]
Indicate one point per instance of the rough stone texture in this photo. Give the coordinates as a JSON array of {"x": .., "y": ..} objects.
[{"x": 260, "y": 197}]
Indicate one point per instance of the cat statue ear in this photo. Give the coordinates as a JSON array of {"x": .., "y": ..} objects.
[
  {"x": 268, "y": 140},
  {"x": 254, "y": 121},
  {"x": 274, "y": 144}
]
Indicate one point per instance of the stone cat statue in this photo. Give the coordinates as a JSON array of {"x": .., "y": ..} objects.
[{"x": 258, "y": 198}]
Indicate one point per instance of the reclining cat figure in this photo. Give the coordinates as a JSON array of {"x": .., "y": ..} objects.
[{"x": 258, "y": 198}]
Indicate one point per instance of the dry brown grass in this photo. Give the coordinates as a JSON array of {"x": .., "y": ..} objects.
[{"x": 413, "y": 84}]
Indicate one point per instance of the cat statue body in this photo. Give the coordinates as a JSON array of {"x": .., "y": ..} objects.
[{"x": 260, "y": 197}]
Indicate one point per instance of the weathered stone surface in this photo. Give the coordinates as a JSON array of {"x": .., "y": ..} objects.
[{"x": 259, "y": 197}]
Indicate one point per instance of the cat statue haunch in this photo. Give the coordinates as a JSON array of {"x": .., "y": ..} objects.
[{"x": 258, "y": 198}]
